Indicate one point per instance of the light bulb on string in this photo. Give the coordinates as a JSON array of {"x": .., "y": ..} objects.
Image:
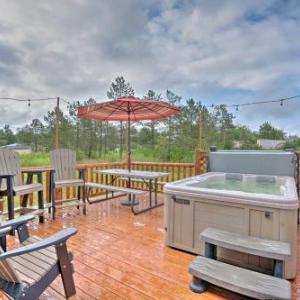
[
  {"x": 29, "y": 104},
  {"x": 281, "y": 102},
  {"x": 237, "y": 108}
]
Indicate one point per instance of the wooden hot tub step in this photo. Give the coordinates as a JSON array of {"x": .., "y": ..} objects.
[
  {"x": 247, "y": 244},
  {"x": 239, "y": 280}
]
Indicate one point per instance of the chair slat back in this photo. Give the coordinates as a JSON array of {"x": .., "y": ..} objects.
[
  {"x": 10, "y": 164},
  {"x": 63, "y": 161},
  {"x": 7, "y": 272}
]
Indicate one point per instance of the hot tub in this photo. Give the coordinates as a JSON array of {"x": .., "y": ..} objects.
[
  {"x": 260, "y": 190},
  {"x": 257, "y": 205}
]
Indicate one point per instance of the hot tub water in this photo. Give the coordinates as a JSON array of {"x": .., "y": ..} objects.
[{"x": 267, "y": 186}]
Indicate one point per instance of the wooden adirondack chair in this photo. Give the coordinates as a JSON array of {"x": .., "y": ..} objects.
[
  {"x": 10, "y": 168},
  {"x": 26, "y": 271},
  {"x": 63, "y": 161}
]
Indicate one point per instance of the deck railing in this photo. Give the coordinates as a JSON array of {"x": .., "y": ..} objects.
[{"x": 176, "y": 171}]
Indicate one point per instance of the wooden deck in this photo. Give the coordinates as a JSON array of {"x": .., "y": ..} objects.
[{"x": 121, "y": 256}]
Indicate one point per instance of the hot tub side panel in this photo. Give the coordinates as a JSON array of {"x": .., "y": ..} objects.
[
  {"x": 288, "y": 233},
  {"x": 185, "y": 219},
  {"x": 179, "y": 223}
]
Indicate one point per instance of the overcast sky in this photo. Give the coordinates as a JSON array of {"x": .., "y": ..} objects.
[{"x": 214, "y": 51}]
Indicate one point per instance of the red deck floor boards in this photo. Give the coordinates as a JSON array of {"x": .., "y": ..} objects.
[{"x": 121, "y": 256}]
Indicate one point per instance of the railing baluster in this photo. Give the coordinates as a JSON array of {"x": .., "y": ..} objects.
[{"x": 176, "y": 171}]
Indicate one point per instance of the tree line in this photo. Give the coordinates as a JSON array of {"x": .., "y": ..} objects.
[{"x": 173, "y": 139}]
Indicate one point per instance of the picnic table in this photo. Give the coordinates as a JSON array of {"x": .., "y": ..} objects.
[{"x": 149, "y": 178}]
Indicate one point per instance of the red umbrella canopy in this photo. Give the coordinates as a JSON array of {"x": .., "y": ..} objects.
[{"x": 128, "y": 109}]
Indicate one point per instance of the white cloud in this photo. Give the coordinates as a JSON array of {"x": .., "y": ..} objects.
[{"x": 74, "y": 49}]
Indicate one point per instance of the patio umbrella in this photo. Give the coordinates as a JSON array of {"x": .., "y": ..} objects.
[{"x": 129, "y": 109}]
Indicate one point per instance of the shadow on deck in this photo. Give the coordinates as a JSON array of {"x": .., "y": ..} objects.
[{"x": 121, "y": 256}]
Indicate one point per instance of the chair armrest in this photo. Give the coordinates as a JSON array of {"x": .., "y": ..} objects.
[
  {"x": 9, "y": 182},
  {"x": 53, "y": 240},
  {"x": 7, "y": 177},
  {"x": 5, "y": 231},
  {"x": 14, "y": 223}
]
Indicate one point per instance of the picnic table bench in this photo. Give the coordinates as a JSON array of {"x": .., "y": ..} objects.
[
  {"x": 122, "y": 191},
  {"x": 150, "y": 178}
]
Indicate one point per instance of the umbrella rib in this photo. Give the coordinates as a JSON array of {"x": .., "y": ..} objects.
[
  {"x": 165, "y": 105},
  {"x": 87, "y": 112},
  {"x": 164, "y": 117},
  {"x": 95, "y": 105},
  {"x": 140, "y": 108},
  {"x": 143, "y": 107},
  {"x": 117, "y": 108},
  {"x": 132, "y": 110}
]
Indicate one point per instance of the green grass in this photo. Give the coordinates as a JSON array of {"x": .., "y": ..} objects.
[{"x": 36, "y": 159}]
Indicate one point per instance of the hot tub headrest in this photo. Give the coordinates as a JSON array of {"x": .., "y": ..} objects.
[{"x": 278, "y": 163}]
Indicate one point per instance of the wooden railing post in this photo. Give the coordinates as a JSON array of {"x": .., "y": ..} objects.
[{"x": 200, "y": 162}]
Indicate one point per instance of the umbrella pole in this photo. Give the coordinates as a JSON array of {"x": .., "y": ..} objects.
[
  {"x": 128, "y": 145},
  {"x": 130, "y": 202}
]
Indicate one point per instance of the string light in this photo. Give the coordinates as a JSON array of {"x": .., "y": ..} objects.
[
  {"x": 236, "y": 106},
  {"x": 281, "y": 100},
  {"x": 26, "y": 100},
  {"x": 66, "y": 101}
]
